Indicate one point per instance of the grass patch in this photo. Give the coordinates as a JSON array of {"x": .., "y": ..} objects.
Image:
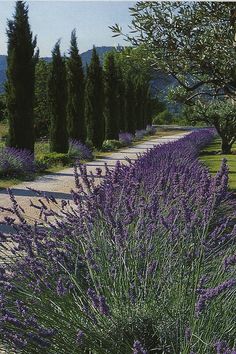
[
  {"x": 3, "y": 129},
  {"x": 211, "y": 156}
]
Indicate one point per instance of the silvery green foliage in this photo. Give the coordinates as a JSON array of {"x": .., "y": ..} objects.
[
  {"x": 79, "y": 150},
  {"x": 192, "y": 41},
  {"x": 142, "y": 263},
  {"x": 16, "y": 162}
]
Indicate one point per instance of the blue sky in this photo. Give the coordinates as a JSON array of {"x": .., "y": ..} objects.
[{"x": 51, "y": 20}]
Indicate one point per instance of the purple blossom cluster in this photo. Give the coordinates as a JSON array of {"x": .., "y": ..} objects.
[
  {"x": 79, "y": 150},
  {"x": 16, "y": 162},
  {"x": 223, "y": 348},
  {"x": 111, "y": 261},
  {"x": 126, "y": 138}
]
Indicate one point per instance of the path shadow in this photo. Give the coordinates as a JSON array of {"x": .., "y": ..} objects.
[
  {"x": 62, "y": 174},
  {"x": 30, "y": 193},
  {"x": 95, "y": 165},
  {"x": 117, "y": 159}
]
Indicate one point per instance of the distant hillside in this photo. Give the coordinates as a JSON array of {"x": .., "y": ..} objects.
[{"x": 86, "y": 57}]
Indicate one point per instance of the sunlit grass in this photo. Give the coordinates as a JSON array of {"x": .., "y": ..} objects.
[{"x": 212, "y": 157}]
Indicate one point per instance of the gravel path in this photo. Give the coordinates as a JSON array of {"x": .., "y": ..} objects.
[{"x": 59, "y": 184}]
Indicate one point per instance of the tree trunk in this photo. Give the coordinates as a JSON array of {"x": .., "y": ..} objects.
[{"x": 226, "y": 146}]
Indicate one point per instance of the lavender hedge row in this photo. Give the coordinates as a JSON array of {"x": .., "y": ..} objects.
[{"x": 142, "y": 263}]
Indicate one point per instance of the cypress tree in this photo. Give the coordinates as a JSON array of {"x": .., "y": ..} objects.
[
  {"x": 21, "y": 61},
  {"x": 41, "y": 111},
  {"x": 130, "y": 105},
  {"x": 111, "y": 112},
  {"x": 94, "y": 102},
  {"x": 57, "y": 96},
  {"x": 75, "y": 82},
  {"x": 139, "y": 104},
  {"x": 121, "y": 100}
]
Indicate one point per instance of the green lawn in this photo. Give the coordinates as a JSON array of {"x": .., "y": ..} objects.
[{"x": 212, "y": 157}]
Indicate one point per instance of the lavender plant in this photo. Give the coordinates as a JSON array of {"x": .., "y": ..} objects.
[
  {"x": 16, "y": 162},
  {"x": 79, "y": 150},
  {"x": 142, "y": 263},
  {"x": 126, "y": 138},
  {"x": 150, "y": 129},
  {"x": 139, "y": 134}
]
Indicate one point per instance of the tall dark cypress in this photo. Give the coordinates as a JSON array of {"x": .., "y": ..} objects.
[
  {"x": 139, "y": 104},
  {"x": 111, "y": 109},
  {"x": 75, "y": 82},
  {"x": 94, "y": 97},
  {"x": 121, "y": 100},
  {"x": 57, "y": 97},
  {"x": 21, "y": 60},
  {"x": 130, "y": 105}
]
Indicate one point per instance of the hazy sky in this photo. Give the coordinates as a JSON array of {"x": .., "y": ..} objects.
[{"x": 51, "y": 20}]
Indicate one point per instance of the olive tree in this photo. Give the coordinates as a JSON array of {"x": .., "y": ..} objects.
[
  {"x": 222, "y": 115},
  {"x": 191, "y": 41}
]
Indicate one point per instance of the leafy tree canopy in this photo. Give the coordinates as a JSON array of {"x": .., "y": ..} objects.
[{"x": 192, "y": 41}]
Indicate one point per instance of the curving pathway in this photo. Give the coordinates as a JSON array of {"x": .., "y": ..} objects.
[{"x": 59, "y": 184}]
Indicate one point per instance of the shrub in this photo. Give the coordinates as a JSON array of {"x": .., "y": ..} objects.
[
  {"x": 79, "y": 151},
  {"x": 164, "y": 117},
  {"x": 126, "y": 139},
  {"x": 16, "y": 163},
  {"x": 139, "y": 134},
  {"x": 151, "y": 130},
  {"x": 53, "y": 158},
  {"x": 41, "y": 166},
  {"x": 144, "y": 262},
  {"x": 111, "y": 145}
]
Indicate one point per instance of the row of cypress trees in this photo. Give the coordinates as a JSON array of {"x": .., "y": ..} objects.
[
  {"x": 97, "y": 106},
  {"x": 89, "y": 107}
]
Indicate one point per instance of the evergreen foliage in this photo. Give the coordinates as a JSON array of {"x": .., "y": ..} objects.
[
  {"x": 111, "y": 102},
  {"x": 121, "y": 99},
  {"x": 41, "y": 109},
  {"x": 75, "y": 83},
  {"x": 140, "y": 104},
  {"x": 94, "y": 98},
  {"x": 21, "y": 62},
  {"x": 130, "y": 122},
  {"x": 57, "y": 95}
]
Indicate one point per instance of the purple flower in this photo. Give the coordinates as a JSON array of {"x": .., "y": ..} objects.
[
  {"x": 61, "y": 290},
  {"x": 16, "y": 162},
  {"x": 210, "y": 294},
  {"x": 99, "y": 302},
  {"x": 188, "y": 334},
  {"x": 126, "y": 138},
  {"x": 229, "y": 261},
  {"x": 79, "y": 337},
  {"x": 223, "y": 348},
  {"x": 152, "y": 267},
  {"x": 79, "y": 150},
  {"x": 138, "y": 348}
]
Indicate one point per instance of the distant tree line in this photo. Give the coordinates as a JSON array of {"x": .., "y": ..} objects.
[{"x": 61, "y": 99}]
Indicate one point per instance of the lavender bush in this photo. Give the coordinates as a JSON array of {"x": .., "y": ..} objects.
[
  {"x": 139, "y": 134},
  {"x": 143, "y": 263},
  {"x": 150, "y": 129},
  {"x": 16, "y": 162},
  {"x": 126, "y": 138},
  {"x": 79, "y": 150}
]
